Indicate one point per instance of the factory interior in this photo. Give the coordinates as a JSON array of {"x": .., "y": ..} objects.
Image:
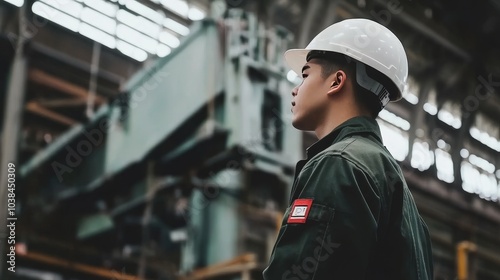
[{"x": 152, "y": 139}]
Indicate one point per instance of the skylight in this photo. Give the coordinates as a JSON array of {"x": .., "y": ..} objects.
[
  {"x": 395, "y": 139},
  {"x": 451, "y": 114},
  {"x": 422, "y": 156},
  {"x": 412, "y": 91},
  {"x": 431, "y": 105},
  {"x": 486, "y": 131},
  {"x": 17, "y": 3},
  {"x": 483, "y": 184},
  {"x": 394, "y": 119},
  {"x": 444, "y": 166},
  {"x": 133, "y": 28}
]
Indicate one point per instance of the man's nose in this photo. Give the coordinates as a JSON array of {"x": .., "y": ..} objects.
[{"x": 295, "y": 90}]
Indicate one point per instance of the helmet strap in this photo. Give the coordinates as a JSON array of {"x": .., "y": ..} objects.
[{"x": 371, "y": 85}]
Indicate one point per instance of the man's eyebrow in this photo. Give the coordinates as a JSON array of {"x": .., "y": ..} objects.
[{"x": 305, "y": 67}]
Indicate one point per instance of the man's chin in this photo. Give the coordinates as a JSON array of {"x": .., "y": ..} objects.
[{"x": 299, "y": 125}]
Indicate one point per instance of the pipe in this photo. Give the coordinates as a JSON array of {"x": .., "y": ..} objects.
[{"x": 463, "y": 261}]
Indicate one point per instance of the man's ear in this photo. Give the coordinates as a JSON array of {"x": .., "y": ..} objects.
[{"x": 337, "y": 82}]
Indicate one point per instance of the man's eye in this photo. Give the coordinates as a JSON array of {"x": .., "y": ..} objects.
[{"x": 304, "y": 76}]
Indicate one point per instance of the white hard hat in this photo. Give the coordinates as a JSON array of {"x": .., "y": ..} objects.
[{"x": 365, "y": 41}]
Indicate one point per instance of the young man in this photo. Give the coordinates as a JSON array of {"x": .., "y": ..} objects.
[{"x": 351, "y": 214}]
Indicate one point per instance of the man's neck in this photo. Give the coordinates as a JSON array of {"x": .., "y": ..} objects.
[{"x": 334, "y": 120}]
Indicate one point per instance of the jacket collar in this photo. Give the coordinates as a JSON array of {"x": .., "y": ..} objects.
[{"x": 356, "y": 125}]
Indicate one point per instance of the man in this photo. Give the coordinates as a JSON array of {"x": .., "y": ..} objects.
[{"x": 351, "y": 215}]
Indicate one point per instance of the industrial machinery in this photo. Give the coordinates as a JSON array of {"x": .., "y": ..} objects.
[{"x": 190, "y": 166}]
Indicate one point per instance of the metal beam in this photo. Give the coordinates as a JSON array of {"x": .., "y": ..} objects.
[
  {"x": 309, "y": 18},
  {"x": 453, "y": 196},
  {"x": 40, "y": 77},
  {"x": 75, "y": 266},
  {"x": 417, "y": 25},
  {"x": 94, "y": 69},
  {"x": 151, "y": 189},
  {"x": 73, "y": 62},
  {"x": 331, "y": 14},
  {"x": 58, "y": 103},
  {"x": 237, "y": 265},
  {"x": 35, "y": 107},
  {"x": 429, "y": 32},
  {"x": 417, "y": 117}
]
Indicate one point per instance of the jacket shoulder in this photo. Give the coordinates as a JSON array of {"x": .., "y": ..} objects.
[
  {"x": 356, "y": 146},
  {"x": 367, "y": 154}
]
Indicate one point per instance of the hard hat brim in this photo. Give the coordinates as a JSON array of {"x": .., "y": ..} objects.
[{"x": 295, "y": 59}]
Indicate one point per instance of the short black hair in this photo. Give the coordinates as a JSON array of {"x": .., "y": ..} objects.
[{"x": 366, "y": 100}]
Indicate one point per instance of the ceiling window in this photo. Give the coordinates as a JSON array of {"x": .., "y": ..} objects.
[
  {"x": 17, "y": 3},
  {"x": 431, "y": 105},
  {"x": 486, "y": 131},
  {"x": 422, "y": 157},
  {"x": 395, "y": 139},
  {"x": 131, "y": 27},
  {"x": 451, "y": 114},
  {"x": 394, "y": 119},
  {"x": 444, "y": 163},
  {"x": 412, "y": 91},
  {"x": 479, "y": 182}
]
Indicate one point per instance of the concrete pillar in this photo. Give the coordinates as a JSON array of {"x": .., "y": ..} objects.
[{"x": 10, "y": 138}]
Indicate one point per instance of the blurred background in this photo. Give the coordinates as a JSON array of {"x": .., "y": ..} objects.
[{"x": 152, "y": 140}]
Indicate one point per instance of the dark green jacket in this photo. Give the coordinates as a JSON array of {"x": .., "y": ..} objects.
[{"x": 363, "y": 222}]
